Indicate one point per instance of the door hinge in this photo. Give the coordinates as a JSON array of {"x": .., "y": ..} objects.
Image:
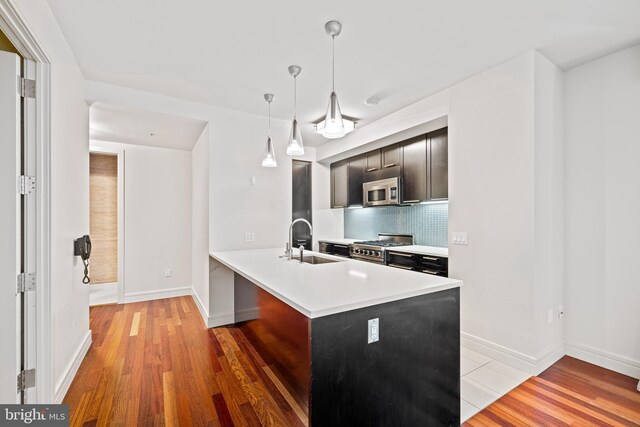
[
  {"x": 26, "y": 184},
  {"x": 26, "y": 282},
  {"x": 26, "y": 379},
  {"x": 26, "y": 87}
]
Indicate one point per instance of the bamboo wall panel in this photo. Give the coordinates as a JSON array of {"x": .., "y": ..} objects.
[{"x": 103, "y": 190}]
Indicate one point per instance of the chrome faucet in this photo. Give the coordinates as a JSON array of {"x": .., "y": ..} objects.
[{"x": 290, "y": 246}]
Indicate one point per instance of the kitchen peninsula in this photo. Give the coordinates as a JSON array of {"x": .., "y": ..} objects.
[{"x": 357, "y": 343}]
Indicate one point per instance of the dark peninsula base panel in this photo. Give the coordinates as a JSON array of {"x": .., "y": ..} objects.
[
  {"x": 410, "y": 377},
  {"x": 279, "y": 333}
]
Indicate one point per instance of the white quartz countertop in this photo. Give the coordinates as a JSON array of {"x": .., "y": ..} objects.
[
  {"x": 323, "y": 289},
  {"x": 422, "y": 250},
  {"x": 340, "y": 241},
  {"x": 414, "y": 249}
]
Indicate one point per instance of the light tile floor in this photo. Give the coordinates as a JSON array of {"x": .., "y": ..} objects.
[{"x": 484, "y": 381}]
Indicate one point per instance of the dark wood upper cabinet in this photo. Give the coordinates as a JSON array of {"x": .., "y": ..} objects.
[
  {"x": 340, "y": 184},
  {"x": 438, "y": 165},
  {"x": 414, "y": 170},
  {"x": 357, "y": 167},
  {"x": 391, "y": 156},
  {"x": 421, "y": 162},
  {"x": 374, "y": 161}
]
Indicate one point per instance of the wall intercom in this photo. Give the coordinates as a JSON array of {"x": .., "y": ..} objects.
[{"x": 82, "y": 248}]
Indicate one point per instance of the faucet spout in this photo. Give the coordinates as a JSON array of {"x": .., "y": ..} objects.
[{"x": 291, "y": 233}]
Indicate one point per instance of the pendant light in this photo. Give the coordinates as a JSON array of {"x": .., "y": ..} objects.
[
  {"x": 333, "y": 124},
  {"x": 295, "y": 147},
  {"x": 269, "y": 160}
]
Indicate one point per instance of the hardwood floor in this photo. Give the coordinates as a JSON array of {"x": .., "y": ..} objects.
[
  {"x": 571, "y": 392},
  {"x": 155, "y": 363}
]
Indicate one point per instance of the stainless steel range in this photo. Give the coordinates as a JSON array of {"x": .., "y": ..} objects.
[{"x": 374, "y": 250}]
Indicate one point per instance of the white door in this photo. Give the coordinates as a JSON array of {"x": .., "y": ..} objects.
[{"x": 10, "y": 228}]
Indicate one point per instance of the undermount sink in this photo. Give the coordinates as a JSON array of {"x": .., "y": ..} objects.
[{"x": 312, "y": 259}]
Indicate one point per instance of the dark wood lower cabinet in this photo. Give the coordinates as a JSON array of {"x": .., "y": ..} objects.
[{"x": 410, "y": 377}]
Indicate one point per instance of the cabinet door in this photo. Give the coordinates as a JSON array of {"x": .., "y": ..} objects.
[
  {"x": 414, "y": 170},
  {"x": 391, "y": 156},
  {"x": 374, "y": 162},
  {"x": 356, "y": 178},
  {"x": 339, "y": 184},
  {"x": 438, "y": 165}
]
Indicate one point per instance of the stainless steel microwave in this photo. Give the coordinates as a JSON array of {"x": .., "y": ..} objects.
[{"x": 383, "y": 192}]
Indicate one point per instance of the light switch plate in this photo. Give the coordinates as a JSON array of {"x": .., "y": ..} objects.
[
  {"x": 249, "y": 237},
  {"x": 167, "y": 272},
  {"x": 373, "y": 330},
  {"x": 459, "y": 238}
]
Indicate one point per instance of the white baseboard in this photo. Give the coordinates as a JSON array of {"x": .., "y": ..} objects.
[
  {"x": 104, "y": 293},
  {"x": 160, "y": 294},
  {"x": 247, "y": 314},
  {"x": 212, "y": 321},
  {"x": 611, "y": 361},
  {"x": 221, "y": 320},
  {"x": 530, "y": 364},
  {"x": 72, "y": 369},
  {"x": 203, "y": 312}
]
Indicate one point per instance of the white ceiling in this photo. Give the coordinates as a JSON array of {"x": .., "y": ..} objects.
[
  {"x": 130, "y": 126},
  {"x": 230, "y": 53}
]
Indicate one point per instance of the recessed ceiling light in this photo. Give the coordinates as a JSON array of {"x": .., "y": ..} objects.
[{"x": 372, "y": 102}]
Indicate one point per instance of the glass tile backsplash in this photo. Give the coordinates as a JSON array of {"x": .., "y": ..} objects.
[{"x": 428, "y": 223}]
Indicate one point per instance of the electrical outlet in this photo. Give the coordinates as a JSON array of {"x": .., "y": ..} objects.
[
  {"x": 374, "y": 330},
  {"x": 459, "y": 238},
  {"x": 167, "y": 272},
  {"x": 250, "y": 237}
]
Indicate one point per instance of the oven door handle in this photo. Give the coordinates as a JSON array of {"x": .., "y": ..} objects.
[
  {"x": 399, "y": 254},
  {"x": 434, "y": 273}
]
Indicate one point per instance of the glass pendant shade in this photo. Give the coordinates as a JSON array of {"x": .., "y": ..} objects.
[
  {"x": 333, "y": 123},
  {"x": 295, "y": 147},
  {"x": 269, "y": 160}
]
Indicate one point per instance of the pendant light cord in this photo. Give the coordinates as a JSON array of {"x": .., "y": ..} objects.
[
  {"x": 295, "y": 97},
  {"x": 269, "y": 118},
  {"x": 333, "y": 63}
]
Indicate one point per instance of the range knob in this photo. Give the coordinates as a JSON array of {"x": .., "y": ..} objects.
[
  {"x": 377, "y": 253},
  {"x": 356, "y": 251},
  {"x": 367, "y": 252}
]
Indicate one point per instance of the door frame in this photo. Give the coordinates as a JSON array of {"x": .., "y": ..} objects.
[
  {"x": 97, "y": 147},
  {"x": 17, "y": 31}
]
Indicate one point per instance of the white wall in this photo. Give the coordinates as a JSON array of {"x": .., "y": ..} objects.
[
  {"x": 157, "y": 221},
  {"x": 69, "y": 195},
  {"x": 238, "y": 207},
  {"x": 602, "y": 221},
  {"x": 200, "y": 221}
]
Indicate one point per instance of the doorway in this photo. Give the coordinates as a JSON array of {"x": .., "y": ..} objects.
[
  {"x": 103, "y": 226},
  {"x": 106, "y": 223},
  {"x": 301, "y": 202}
]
